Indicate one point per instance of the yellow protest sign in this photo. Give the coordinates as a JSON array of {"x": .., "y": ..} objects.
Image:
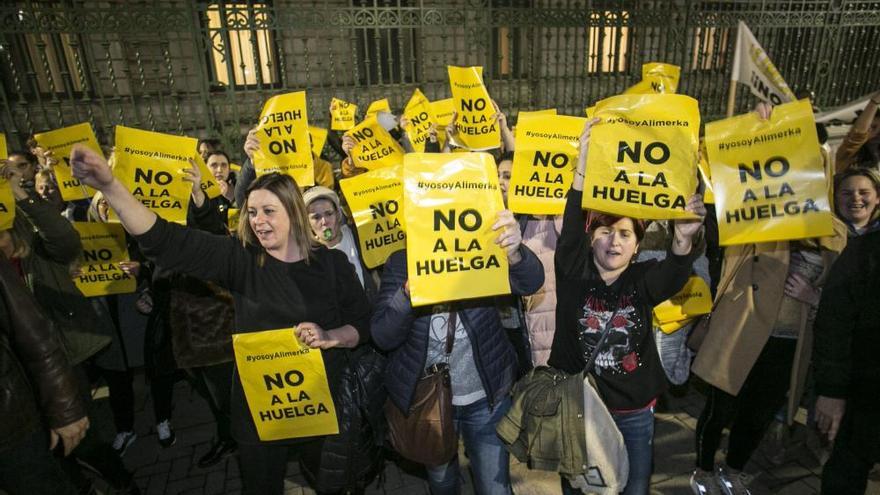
[
  {"x": 543, "y": 163},
  {"x": 374, "y": 147},
  {"x": 378, "y": 106},
  {"x": 534, "y": 113},
  {"x": 151, "y": 165},
  {"x": 284, "y": 139},
  {"x": 768, "y": 176},
  {"x": 694, "y": 299},
  {"x": 4, "y": 151},
  {"x": 285, "y": 384},
  {"x": 232, "y": 217},
  {"x": 643, "y": 154},
  {"x": 590, "y": 111},
  {"x": 104, "y": 246},
  {"x": 477, "y": 130},
  {"x": 705, "y": 175},
  {"x": 376, "y": 200},
  {"x": 7, "y": 205},
  {"x": 442, "y": 111},
  {"x": 451, "y": 201},
  {"x": 342, "y": 114},
  {"x": 319, "y": 139},
  {"x": 60, "y": 142},
  {"x": 418, "y": 112},
  {"x": 658, "y": 78},
  {"x": 208, "y": 183}
]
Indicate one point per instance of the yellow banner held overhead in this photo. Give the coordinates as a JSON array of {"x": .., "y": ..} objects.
[
  {"x": 319, "y": 139},
  {"x": 477, "y": 130},
  {"x": 694, "y": 299},
  {"x": 7, "y": 205},
  {"x": 768, "y": 176},
  {"x": 442, "y": 111},
  {"x": 151, "y": 165},
  {"x": 374, "y": 147},
  {"x": 285, "y": 384},
  {"x": 643, "y": 154},
  {"x": 376, "y": 202},
  {"x": 657, "y": 78},
  {"x": 534, "y": 113},
  {"x": 60, "y": 142},
  {"x": 284, "y": 139},
  {"x": 342, "y": 114},
  {"x": 104, "y": 246},
  {"x": 378, "y": 106},
  {"x": 208, "y": 183},
  {"x": 418, "y": 112},
  {"x": 705, "y": 175},
  {"x": 543, "y": 163},
  {"x": 451, "y": 201}
]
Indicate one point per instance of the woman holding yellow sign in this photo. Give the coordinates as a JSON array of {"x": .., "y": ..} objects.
[
  {"x": 603, "y": 313},
  {"x": 279, "y": 278}
]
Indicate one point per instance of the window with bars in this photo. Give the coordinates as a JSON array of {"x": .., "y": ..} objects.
[
  {"x": 609, "y": 42},
  {"x": 50, "y": 60},
  {"x": 710, "y": 48},
  {"x": 385, "y": 54},
  {"x": 243, "y": 51}
]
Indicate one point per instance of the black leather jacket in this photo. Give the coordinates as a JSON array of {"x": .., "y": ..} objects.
[{"x": 31, "y": 353}]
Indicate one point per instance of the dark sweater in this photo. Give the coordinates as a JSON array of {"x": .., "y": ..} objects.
[
  {"x": 628, "y": 371},
  {"x": 272, "y": 296}
]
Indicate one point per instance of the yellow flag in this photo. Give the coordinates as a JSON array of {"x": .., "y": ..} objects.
[
  {"x": 285, "y": 384},
  {"x": 477, "y": 130},
  {"x": 4, "y": 153},
  {"x": 442, "y": 110},
  {"x": 104, "y": 247},
  {"x": 342, "y": 114},
  {"x": 376, "y": 202},
  {"x": 319, "y": 138},
  {"x": 694, "y": 299},
  {"x": 284, "y": 139},
  {"x": 378, "y": 106},
  {"x": 768, "y": 176},
  {"x": 705, "y": 175},
  {"x": 374, "y": 147},
  {"x": 643, "y": 154},
  {"x": 7, "y": 205},
  {"x": 543, "y": 163},
  {"x": 657, "y": 78},
  {"x": 208, "y": 183},
  {"x": 418, "y": 112},
  {"x": 60, "y": 142},
  {"x": 533, "y": 113},
  {"x": 451, "y": 201},
  {"x": 151, "y": 165}
]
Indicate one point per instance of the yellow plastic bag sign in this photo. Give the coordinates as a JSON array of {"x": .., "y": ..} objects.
[
  {"x": 7, "y": 205},
  {"x": 60, "y": 142},
  {"x": 4, "y": 153},
  {"x": 657, "y": 78},
  {"x": 284, "y": 139},
  {"x": 342, "y": 114},
  {"x": 477, "y": 130},
  {"x": 643, "y": 154},
  {"x": 543, "y": 163},
  {"x": 104, "y": 247},
  {"x": 451, "y": 201},
  {"x": 768, "y": 176},
  {"x": 151, "y": 165},
  {"x": 705, "y": 175},
  {"x": 285, "y": 384},
  {"x": 418, "y": 112},
  {"x": 694, "y": 299},
  {"x": 376, "y": 202},
  {"x": 208, "y": 183},
  {"x": 533, "y": 113},
  {"x": 319, "y": 139},
  {"x": 378, "y": 106},
  {"x": 374, "y": 147},
  {"x": 442, "y": 111}
]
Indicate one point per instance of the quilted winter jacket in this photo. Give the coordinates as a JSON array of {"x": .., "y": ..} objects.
[
  {"x": 403, "y": 330},
  {"x": 540, "y": 235}
]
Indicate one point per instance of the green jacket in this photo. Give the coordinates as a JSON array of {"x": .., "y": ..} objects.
[
  {"x": 545, "y": 426},
  {"x": 55, "y": 246}
]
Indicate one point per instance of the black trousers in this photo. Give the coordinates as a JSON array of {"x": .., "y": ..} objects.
[
  {"x": 28, "y": 467},
  {"x": 214, "y": 384},
  {"x": 847, "y": 470},
  {"x": 749, "y": 413}
]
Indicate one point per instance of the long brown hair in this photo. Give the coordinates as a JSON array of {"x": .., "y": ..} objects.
[{"x": 288, "y": 193}]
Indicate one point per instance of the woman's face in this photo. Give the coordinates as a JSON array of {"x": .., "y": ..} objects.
[
  {"x": 268, "y": 220},
  {"x": 324, "y": 220},
  {"x": 614, "y": 246},
  {"x": 504, "y": 169},
  {"x": 219, "y": 167},
  {"x": 857, "y": 199}
]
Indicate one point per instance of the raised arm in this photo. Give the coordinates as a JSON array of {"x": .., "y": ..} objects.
[{"x": 857, "y": 135}]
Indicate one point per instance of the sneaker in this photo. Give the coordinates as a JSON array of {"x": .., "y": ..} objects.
[
  {"x": 123, "y": 441},
  {"x": 704, "y": 483},
  {"x": 166, "y": 434},
  {"x": 219, "y": 451},
  {"x": 733, "y": 481}
]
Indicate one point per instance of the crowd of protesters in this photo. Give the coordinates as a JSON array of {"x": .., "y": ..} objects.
[{"x": 810, "y": 339}]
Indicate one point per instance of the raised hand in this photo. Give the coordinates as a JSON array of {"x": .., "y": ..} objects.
[{"x": 90, "y": 168}]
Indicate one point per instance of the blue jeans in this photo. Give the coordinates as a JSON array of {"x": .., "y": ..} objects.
[
  {"x": 487, "y": 454},
  {"x": 637, "y": 429}
]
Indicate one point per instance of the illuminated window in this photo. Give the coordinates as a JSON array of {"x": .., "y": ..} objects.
[
  {"x": 53, "y": 58},
  {"x": 710, "y": 48},
  {"x": 608, "y": 42},
  {"x": 242, "y": 48}
]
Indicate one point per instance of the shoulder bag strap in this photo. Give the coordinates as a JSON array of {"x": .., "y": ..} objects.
[{"x": 451, "y": 324}]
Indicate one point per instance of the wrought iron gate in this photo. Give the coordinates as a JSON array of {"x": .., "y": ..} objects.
[{"x": 204, "y": 68}]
